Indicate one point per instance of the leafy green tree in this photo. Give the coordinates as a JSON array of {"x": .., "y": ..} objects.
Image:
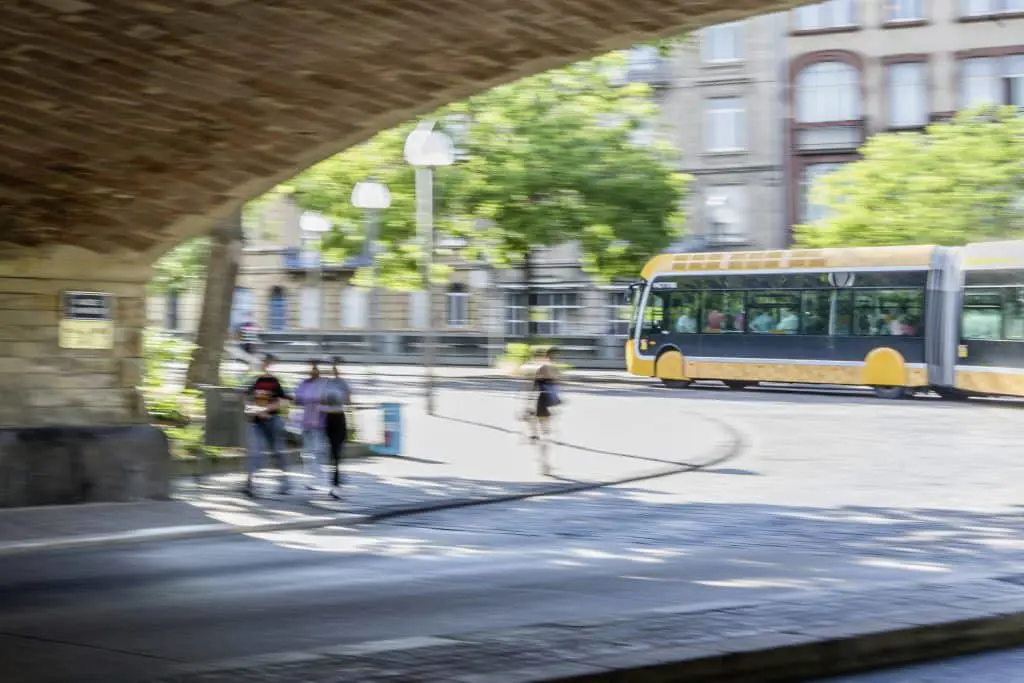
[
  {"x": 957, "y": 182},
  {"x": 182, "y": 267},
  {"x": 546, "y": 160}
]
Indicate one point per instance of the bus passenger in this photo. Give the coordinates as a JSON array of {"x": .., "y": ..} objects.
[
  {"x": 789, "y": 322},
  {"x": 714, "y": 321},
  {"x": 685, "y": 323},
  {"x": 762, "y": 323}
]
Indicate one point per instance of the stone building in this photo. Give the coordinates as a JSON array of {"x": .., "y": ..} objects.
[
  {"x": 860, "y": 68},
  {"x": 288, "y": 290},
  {"x": 722, "y": 109}
]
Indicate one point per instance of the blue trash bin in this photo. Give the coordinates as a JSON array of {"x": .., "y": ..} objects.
[{"x": 391, "y": 414}]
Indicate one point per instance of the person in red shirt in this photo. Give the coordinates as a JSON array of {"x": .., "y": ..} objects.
[{"x": 266, "y": 428}]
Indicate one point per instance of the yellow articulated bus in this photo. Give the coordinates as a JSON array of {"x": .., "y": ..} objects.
[{"x": 897, "y": 319}]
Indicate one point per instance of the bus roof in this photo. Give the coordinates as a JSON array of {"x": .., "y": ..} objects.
[
  {"x": 994, "y": 255},
  {"x": 785, "y": 259}
]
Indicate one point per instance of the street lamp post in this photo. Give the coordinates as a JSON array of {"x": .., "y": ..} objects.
[
  {"x": 425, "y": 149},
  {"x": 315, "y": 224},
  {"x": 372, "y": 197}
]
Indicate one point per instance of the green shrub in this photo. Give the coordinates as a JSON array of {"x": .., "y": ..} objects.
[{"x": 518, "y": 354}]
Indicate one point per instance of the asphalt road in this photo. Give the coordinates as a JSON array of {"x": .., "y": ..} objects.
[
  {"x": 125, "y": 614},
  {"x": 832, "y": 491}
]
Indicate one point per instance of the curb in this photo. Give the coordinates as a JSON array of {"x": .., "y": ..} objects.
[
  {"x": 733, "y": 448},
  {"x": 765, "y": 656},
  {"x": 780, "y": 657}
]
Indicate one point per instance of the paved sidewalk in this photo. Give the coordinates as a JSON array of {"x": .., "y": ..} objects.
[
  {"x": 474, "y": 451},
  {"x": 783, "y": 639}
]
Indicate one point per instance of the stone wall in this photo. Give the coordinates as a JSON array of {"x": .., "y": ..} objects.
[{"x": 65, "y": 386}]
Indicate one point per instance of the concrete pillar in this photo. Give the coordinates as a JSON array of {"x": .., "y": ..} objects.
[{"x": 73, "y": 426}]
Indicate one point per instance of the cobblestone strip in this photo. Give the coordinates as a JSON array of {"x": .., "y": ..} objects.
[{"x": 786, "y": 639}]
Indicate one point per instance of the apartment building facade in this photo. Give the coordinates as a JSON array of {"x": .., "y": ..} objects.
[
  {"x": 723, "y": 111},
  {"x": 858, "y": 68},
  {"x": 285, "y": 286}
]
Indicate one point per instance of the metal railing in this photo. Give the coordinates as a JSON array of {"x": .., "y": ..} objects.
[{"x": 465, "y": 349}]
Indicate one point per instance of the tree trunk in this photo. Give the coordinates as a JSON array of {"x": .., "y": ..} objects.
[{"x": 221, "y": 272}]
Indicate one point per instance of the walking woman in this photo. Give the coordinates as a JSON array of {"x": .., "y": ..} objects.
[
  {"x": 335, "y": 397},
  {"x": 544, "y": 397},
  {"x": 307, "y": 395}
]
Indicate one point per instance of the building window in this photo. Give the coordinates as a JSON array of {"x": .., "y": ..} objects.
[
  {"x": 988, "y": 8},
  {"x": 907, "y": 95},
  {"x": 353, "y": 308},
  {"x": 241, "y": 307},
  {"x": 897, "y": 11},
  {"x": 831, "y": 14},
  {"x": 171, "y": 321},
  {"x": 726, "y": 213},
  {"x": 983, "y": 80},
  {"x": 309, "y": 311},
  {"x": 555, "y": 313},
  {"x": 812, "y": 175},
  {"x": 828, "y": 91},
  {"x": 722, "y": 43},
  {"x": 458, "y": 306},
  {"x": 418, "y": 310},
  {"x": 278, "y": 314},
  {"x": 725, "y": 120},
  {"x": 515, "y": 315},
  {"x": 619, "y": 310}
]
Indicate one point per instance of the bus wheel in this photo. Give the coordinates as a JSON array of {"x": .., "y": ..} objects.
[
  {"x": 676, "y": 383},
  {"x": 891, "y": 393},
  {"x": 737, "y": 384}
]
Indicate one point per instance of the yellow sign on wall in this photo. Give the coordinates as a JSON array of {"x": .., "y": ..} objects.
[{"x": 86, "y": 334}]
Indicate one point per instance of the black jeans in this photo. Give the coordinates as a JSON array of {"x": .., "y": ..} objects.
[{"x": 336, "y": 429}]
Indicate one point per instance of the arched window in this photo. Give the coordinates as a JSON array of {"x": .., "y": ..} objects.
[
  {"x": 458, "y": 305},
  {"x": 278, "y": 318},
  {"x": 828, "y": 91},
  {"x": 241, "y": 307},
  {"x": 171, "y": 321}
]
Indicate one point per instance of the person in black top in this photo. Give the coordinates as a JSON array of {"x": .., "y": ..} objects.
[{"x": 266, "y": 429}]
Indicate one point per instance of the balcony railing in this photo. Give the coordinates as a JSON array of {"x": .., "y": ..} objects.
[
  {"x": 299, "y": 259},
  {"x": 823, "y": 138}
]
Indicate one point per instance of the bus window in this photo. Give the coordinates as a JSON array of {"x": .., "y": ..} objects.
[
  {"x": 723, "y": 312},
  {"x": 815, "y": 313},
  {"x": 1013, "y": 313},
  {"x": 684, "y": 311},
  {"x": 983, "y": 314},
  {"x": 893, "y": 312},
  {"x": 773, "y": 313},
  {"x": 654, "y": 315}
]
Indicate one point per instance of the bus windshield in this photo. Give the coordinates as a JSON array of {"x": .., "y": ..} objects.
[{"x": 634, "y": 294}]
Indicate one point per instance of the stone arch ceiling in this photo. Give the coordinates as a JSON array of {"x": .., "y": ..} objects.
[{"x": 129, "y": 125}]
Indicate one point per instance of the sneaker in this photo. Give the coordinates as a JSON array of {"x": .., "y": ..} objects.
[{"x": 335, "y": 492}]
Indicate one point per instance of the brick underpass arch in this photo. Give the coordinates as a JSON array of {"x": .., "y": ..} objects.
[{"x": 127, "y": 126}]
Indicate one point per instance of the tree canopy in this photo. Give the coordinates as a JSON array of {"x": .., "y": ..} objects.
[
  {"x": 957, "y": 182},
  {"x": 181, "y": 267},
  {"x": 552, "y": 158}
]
